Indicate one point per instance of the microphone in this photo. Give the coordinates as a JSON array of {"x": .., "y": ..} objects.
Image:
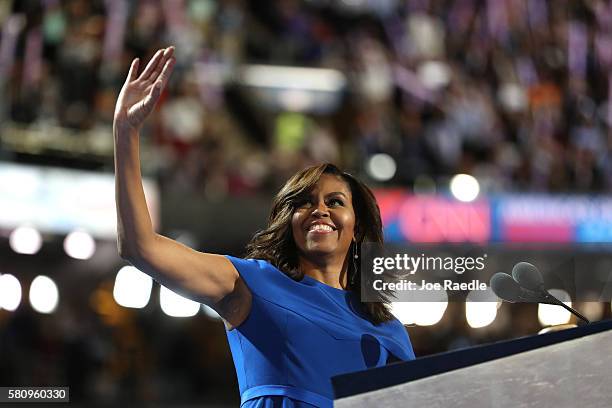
[
  {"x": 505, "y": 287},
  {"x": 530, "y": 278},
  {"x": 509, "y": 290}
]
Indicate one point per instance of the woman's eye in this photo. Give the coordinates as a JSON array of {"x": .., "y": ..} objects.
[
  {"x": 303, "y": 203},
  {"x": 336, "y": 201}
]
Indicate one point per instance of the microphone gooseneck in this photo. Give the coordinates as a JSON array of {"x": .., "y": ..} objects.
[{"x": 526, "y": 285}]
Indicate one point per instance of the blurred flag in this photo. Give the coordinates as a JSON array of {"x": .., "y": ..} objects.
[
  {"x": 32, "y": 60},
  {"x": 537, "y": 13},
  {"x": 174, "y": 10},
  {"x": 460, "y": 16},
  {"x": 117, "y": 14},
  {"x": 497, "y": 19},
  {"x": 577, "y": 44},
  {"x": 526, "y": 71},
  {"x": 10, "y": 33},
  {"x": 410, "y": 83},
  {"x": 603, "y": 50},
  {"x": 610, "y": 100}
]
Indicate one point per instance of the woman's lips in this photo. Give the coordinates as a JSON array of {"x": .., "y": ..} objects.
[
  {"x": 321, "y": 228},
  {"x": 321, "y": 232}
]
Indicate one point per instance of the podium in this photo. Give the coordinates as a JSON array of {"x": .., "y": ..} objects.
[{"x": 570, "y": 368}]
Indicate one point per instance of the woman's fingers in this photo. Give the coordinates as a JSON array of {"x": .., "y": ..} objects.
[
  {"x": 133, "y": 70},
  {"x": 151, "y": 99},
  {"x": 159, "y": 69},
  {"x": 152, "y": 65},
  {"x": 140, "y": 98},
  {"x": 165, "y": 74}
]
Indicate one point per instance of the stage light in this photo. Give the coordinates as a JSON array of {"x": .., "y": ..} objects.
[
  {"x": 423, "y": 307},
  {"x": 403, "y": 311},
  {"x": 132, "y": 288},
  {"x": 592, "y": 310},
  {"x": 419, "y": 313},
  {"x": 480, "y": 314},
  {"x": 10, "y": 292},
  {"x": 210, "y": 312},
  {"x": 422, "y": 313},
  {"x": 286, "y": 77},
  {"x": 381, "y": 167},
  {"x": 44, "y": 295},
  {"x": 550, "y": 315},
  {"x": 25, "y": 240},
  {"x": 176, "y": 305},
  {"x": 464, "y": 187},
  {"x": 430, "y": 313},
  {"x": 79, "y": 245},
  {"x": 481, "y": 308},
  {"x": 296, "y": 100}
]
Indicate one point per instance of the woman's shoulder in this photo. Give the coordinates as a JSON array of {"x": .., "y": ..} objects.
[
  {"x": 260, "y": 275},
  {"x": 250, "y": 264}
]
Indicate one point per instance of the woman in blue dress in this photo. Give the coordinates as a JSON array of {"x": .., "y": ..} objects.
[{"x": 291, "y": 309}]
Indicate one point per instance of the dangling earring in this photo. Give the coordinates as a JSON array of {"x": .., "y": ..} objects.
[{"x": 355, "y": 258}]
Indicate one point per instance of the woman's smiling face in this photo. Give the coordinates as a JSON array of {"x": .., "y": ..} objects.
[{"x": 323, "y": 222}]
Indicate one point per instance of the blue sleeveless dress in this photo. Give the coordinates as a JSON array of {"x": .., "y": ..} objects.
[{"x": 300, "y": 334}]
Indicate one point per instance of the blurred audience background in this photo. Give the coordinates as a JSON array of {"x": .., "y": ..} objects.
[
  {"x": 513, "y": 91},
  {"x": 400, "y": 93}
]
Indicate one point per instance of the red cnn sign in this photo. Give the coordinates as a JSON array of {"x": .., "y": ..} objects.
[{"x": 435, "y": 219}]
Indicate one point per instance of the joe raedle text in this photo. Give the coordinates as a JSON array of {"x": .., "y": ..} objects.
[{"x": 447, "y": 284}]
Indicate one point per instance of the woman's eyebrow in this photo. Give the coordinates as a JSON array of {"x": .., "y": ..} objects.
[{"x": 336, "y": 193}]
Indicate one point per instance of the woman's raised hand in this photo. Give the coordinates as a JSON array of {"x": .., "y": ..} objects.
[{"x": 140, "y": 93}]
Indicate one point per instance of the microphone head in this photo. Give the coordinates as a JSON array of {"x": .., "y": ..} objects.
[
  {"x": 505, "y": 287},
  {"x": 528, "y": 276}
]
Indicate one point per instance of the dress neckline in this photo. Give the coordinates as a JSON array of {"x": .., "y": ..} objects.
[{"x": 310, "y": 281}]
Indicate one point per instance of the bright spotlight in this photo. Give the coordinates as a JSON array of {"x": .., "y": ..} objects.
[
  {"x": 381, "y": 167},
  {"x": 79, "y": 245},
  {"x": 132, "y": 288},
  {"x": 44, "y": 295},
  {"x": 480, "y": 314},
  {"x": 25, "y": 240},
  {"x": 403, "y": 311},
  {"x": 481, "y": 308},
  {"x": 430, "y": 313},
  {"x": 550, "y": 315},
  {"x": 464, "y": 187},
  {"x": 10, "y": 292},
  {"x": 425, "y": 308},
  {"x": 419, "y": 313},
  {"x": 176, "y": 305}
]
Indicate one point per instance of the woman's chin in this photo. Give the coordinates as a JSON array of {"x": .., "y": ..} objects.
[{"x": 319, "y": 250}]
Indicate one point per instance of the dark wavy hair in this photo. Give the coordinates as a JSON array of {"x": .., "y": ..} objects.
[{"x": 276, "y": 245}]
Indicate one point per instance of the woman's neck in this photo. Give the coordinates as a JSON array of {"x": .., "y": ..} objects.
[{"x": 332, "y": 272}]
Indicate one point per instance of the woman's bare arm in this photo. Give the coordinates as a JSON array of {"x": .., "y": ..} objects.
[{"x": 206, "y": 278}]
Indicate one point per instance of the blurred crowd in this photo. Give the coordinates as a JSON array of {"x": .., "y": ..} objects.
[
  {"x": 514, "y": 92},
  {"x": 113, "y": 356}
]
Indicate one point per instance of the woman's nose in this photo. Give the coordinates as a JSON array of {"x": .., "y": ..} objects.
[{"x": 320, "y": 210}]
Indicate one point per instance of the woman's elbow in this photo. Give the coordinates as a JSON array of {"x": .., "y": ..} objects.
[{"x": 126, "y": 251}]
